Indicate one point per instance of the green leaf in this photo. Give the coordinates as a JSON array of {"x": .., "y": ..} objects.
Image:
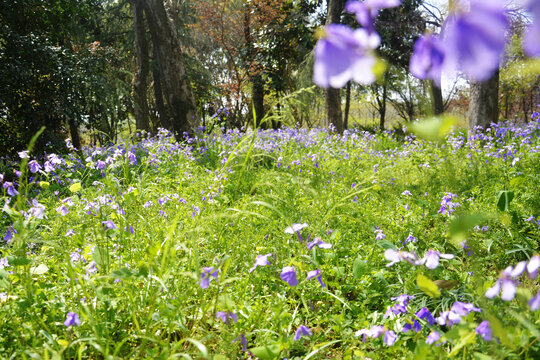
[
  {"x": 503, "y": 199},
  {"x": 435, "y": 128},
  {"x": 39, "y": 270},
  {"x": 498, "y": 330},
  {"x": 220, "y": 357},
  {"x": 466, "y": 337},
  {"x": 75, "y": 187},
  {"x": 266, "y": 352},
  {"x": 101, "y": 256},
  {"x": 122, "y": 273},
  {"x": 18, "y": 261},
  {"x": 359, "y": 267},
  {"x": 226, "y": 302},
  {"x": 427, "y": 286},
  {"x": 385, "y": 244}
]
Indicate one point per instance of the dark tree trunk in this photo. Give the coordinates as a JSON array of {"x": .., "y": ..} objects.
[
  {"x": 140, "y": 82},
  {"x": 382, "y": 102},
  {"x": 172, "y": 68},
  {"x": 437, "y": 99},
  {"x": 484, "y": 103},
  {"x": 258, "y": 98},
  {"x": 332, "y": 96},
  {"x": 74, "y": 131},
  {"x": 347, "y": 106},
  {"x": 164, "y": 116}
]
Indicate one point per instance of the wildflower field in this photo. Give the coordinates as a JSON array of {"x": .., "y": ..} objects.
[{"x": 288, "y": 244}]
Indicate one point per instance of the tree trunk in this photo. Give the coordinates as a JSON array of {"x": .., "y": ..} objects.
[
  {"x": 258, "y": 99},
  {"x": 74, "y": 131},
  {"x": 437, "y": 99},
  {"x": 164, "y": 117},
  {"x": 332, "y": 96},
  {"x": 347, "y": 106},
  {"x": 172, "y": 68},
  {"x": 484, "y": 103},
  {"x": 140, "y": 82}
]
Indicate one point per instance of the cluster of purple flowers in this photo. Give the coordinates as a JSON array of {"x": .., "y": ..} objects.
[
  {"x": 447, "y": 205},
  {"x": 430, "y": 259}
]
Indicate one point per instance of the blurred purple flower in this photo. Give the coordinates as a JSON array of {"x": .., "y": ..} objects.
[
  {"x": 9, "y": 234},
  {"x": 302, "y": 331},
  {"x": 288, "y": 274},
  {"x": 226, "y": 315},
  {"x": 464, "y": 309},
  {"x": 505, "y": 284},
  {"x": 427, "y": 59},
  {"x": 431, "y": 259},
  {"x": 380, "y": 235},
  {"x": 344, "y": 54},
  {"x": 390, "y": 338},
  {"x": 403, "y": 299},
  {"x": 318, "y": 242},
  {"x": 448, "y": 318},
  {"x": 484, "y": 330},
  {"x": 261, "y": 260},
  {"x": 109, "y": 224},
  {"x": 395, "y": 256},
  {"x": 533, "y": 265},
  {"x": 415, "y": 326},
  {"x": 410, "y": 238},
  {"x": 433, "y": 337},
  {"x": 317, "y": 274},
  {"x": 243, "y": 341},
  {"x": 72, "y": 319},
  {"x": 474, "y": 40},
  {"x": 206, "y": 276},
  {"x": 295, "y": 228},
  {"x": 534, "y": 303},
  {"x": 367, "y": 11},
  {"x": 531, "y": 41}
]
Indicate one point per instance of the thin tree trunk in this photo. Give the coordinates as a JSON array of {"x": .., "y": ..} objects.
[
  {"x": 437, "y": 99},
  {"x": 172, "y": 68},
  {"x": 140, "y": 82},
  {"x": 332, "y": 96},
  {"x": 484, "y": 104},
  {"x": 347, "y": 106}
]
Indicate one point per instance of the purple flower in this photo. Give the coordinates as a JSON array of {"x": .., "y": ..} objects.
[
  {"x": 206, "y": 276},
  {"x": 390, "y": 338},
  {"x": 23, "y": 154},
  {"x": 9, "y": 234},
  {"x": 427, "y": 58},
  {"x": 374, "y": 332},
  {"x": 534, "y": 303},
  {"x": 448, "y": 318},
  {"x": 367, "y": 11},
  {"x": 531, "y": 41},
  {"x": 302, "y": 331},
  {"x": 317, "y": 274},
  {"x": 344, "y": 54},
  {"x": 433, "y": 337},
  {"x": 109, "y": 224},
  {"x": 425, "y": 314},
  {"x": 225, "y": 316},
  {"x": 447, "y": 206},
  {"x": 533, "y": 266},
  {"x": 415, "y": 326},
  {"x": 431, "y": 259},
  {"x": 484, "y": 330},
  {"x": 406, "y": 193},
  {"x": 295, "y": 228},
  {"x": 395, "y": 256},
  {"x": 8, "y": 186},
  {"x": 505, "y": 284},
  {"x": 4, "y": 263},
  {"x": 72, "y": 319},
  {"x": 243, "y": 341},
  {"x": 318, "y": 242},
  {"x": 396, "y": 309},
  {"x": 403, "y": 299},
  {"x": 261, "y": 260},
  {"x": 474, "y": 40},
  {"x": 288, "y": 274},
  {"x": 464, "y": 309},
  {"x": 62, "y": 210},
  {"x": 34, "y": 166},
  {"x": 411, "y": 238},
  {"x": 380, "y": 235}
]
